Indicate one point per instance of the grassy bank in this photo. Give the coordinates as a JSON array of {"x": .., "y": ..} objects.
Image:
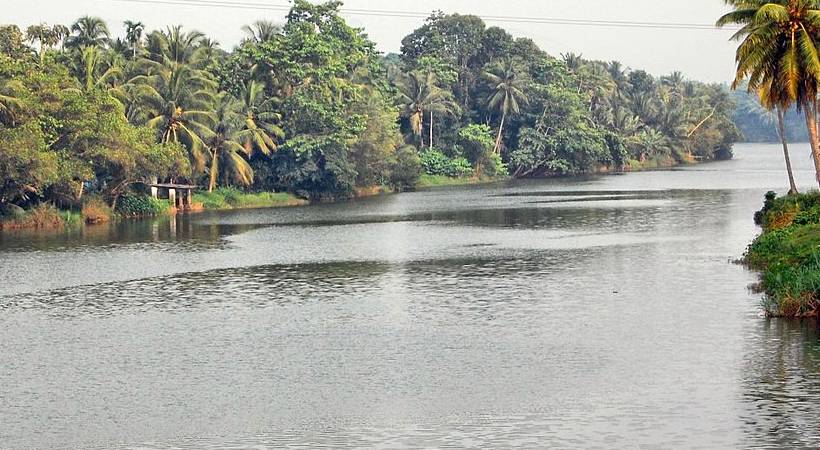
[
  {"x": 227, "y": 198},
  {"x": 428, "y": 181},
  {"x": 41, "y": 217},
  {"x": 787, "y": 254}
]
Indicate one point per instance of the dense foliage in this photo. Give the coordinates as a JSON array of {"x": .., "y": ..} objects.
[
  {"x": 787, "y": 254},
  {"x": 310, "y": 108}
]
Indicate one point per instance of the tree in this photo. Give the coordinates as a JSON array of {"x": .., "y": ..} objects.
[
  {"x": 94, "y": 71},
  {"x": 262, "y": 31},
  {"x": 133, "y": 35},
  {"x": 176, "y": 102},
  {"x": 260, "y": 131},
  {"x": 47, "y": 36},
  {"x": 88, "y": 32},
  {"x": 227, "y": 153},
  {"x": 11, "y": 42},
  {"x": 778, "y": 48},
  {"x": 419, "y": 94},
  {"x": 773, "y": 98},
  {"x": 508, "y": 94}
]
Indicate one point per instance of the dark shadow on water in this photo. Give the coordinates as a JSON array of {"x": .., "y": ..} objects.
[{"x": 459, "y": 286}]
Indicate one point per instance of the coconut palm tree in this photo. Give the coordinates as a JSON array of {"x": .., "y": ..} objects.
[
  {"x": 88, "y": 32},
  {"x": 96, "y": 70},
  {"x": 133, "y": 35},
  {"x": 227, "y": 153},
  {"x": 176, "y": 100},
  {"x": 175, "y": 44},
  {"x": 260, "y": 131},
  {"x": 419, "y": 94},
  {"x": 772, "y": 98},
  {"x": 507, "y": 96},
  {"x": 262, "y": 31},
  {"x": 778, "y": 48}
]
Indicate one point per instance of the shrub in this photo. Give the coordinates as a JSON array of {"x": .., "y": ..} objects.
[
  {"x": 459, "y": 167},
  {"x": 407, "y": 169},
  {"x": 95, "y": 210},
  {"x": 434, "y": 162},
  {"x": 788, "y": 254},
  {"x": 495, "y": 167},
  {"x": 41, "y": 216},
  {"x": 141, "y": 206}
]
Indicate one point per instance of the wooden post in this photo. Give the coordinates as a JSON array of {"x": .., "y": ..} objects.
[
  {"x": 172, "y": 197},
  {"x": 190, "y": 198}
]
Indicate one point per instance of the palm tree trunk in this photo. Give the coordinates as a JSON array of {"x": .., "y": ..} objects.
[
  {"x": 497, "y": 148},
  {"x": 810, "y": 111},
  {"x": 214, "y": 172},
  {"x": 431, "y": 129},
  {"x": 781, "y": 129}
]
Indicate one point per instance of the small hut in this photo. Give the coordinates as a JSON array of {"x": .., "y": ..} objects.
[{"x": 179, "y": 195}]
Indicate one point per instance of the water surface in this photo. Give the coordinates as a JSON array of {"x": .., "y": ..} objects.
[{"x": 592, "y": 312}]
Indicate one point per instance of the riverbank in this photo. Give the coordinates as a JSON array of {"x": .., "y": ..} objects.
[
  {"x": 227, "y": 198},
  {"x": 787, "y": 254},
  {"x": 133, "y": 206}
]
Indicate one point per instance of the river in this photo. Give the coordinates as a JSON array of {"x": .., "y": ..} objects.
[{"x": 591, "y": 312}]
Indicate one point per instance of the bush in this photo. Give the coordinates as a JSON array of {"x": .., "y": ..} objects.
[
  {"x": 407, "y": 170},
  {"x": 783, "y": 212},
  {"x": 95, "y": 210},
  {"x": 459, "y": 167},
  {"x": 142, "y": 206},
  {"x": 41, "y": 216},
  {"x": 434, "y": 162},
  {"x": 788, "y": 254},
  {"x": 495, "y": 167}
]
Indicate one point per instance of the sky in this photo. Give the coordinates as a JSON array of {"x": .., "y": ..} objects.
[{"x": 701, "y": 54}]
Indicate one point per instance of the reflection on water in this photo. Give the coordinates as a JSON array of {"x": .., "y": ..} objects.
[
  {"x": 782, "y": 385},
  {"x": 596, "y": 312}
]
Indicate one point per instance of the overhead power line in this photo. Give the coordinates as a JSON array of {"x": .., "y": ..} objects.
[{"x": 421, "y": 15}]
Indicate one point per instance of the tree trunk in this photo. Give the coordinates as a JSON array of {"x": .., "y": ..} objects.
[
  {"x": 497, "y": 148},
  {"x": 810, "y": 111},
  {"x": 214, "y": 172},
  {"x": 431, "y": 130},
  {"x": 781, "y": 129}
]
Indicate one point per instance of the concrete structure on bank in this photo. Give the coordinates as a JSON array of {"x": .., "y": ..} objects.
[{"x": 179, "y": 195}]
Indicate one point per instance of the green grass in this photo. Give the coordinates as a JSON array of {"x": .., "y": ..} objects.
[
  {"x": 788, "y": 255},
  {"x": 428, "y": 181},
  {"x": 228, "y": 198}
]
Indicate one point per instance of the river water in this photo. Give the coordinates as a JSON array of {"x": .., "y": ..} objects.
[{"x": 597, "y": 312}]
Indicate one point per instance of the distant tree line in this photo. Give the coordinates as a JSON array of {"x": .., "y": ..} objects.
[{"x": 310, "y": 107}]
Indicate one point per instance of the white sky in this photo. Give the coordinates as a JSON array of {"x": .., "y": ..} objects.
[{"x": 701, "y": 54}]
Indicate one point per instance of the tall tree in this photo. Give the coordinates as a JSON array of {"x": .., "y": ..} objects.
[
  {"x": 133, "y": 34},
  {"x": 778, "y": 47},
  {"x": 508, "y": 94},
  {"x": 260, "y": 130},
  {"x": 419, "y": 94},
  {"x": 177, "y": 101},
  {"x": 227, "y": 153},
  {"x": 262, "y": 31},
  {"x": 88, "y": 32}
]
